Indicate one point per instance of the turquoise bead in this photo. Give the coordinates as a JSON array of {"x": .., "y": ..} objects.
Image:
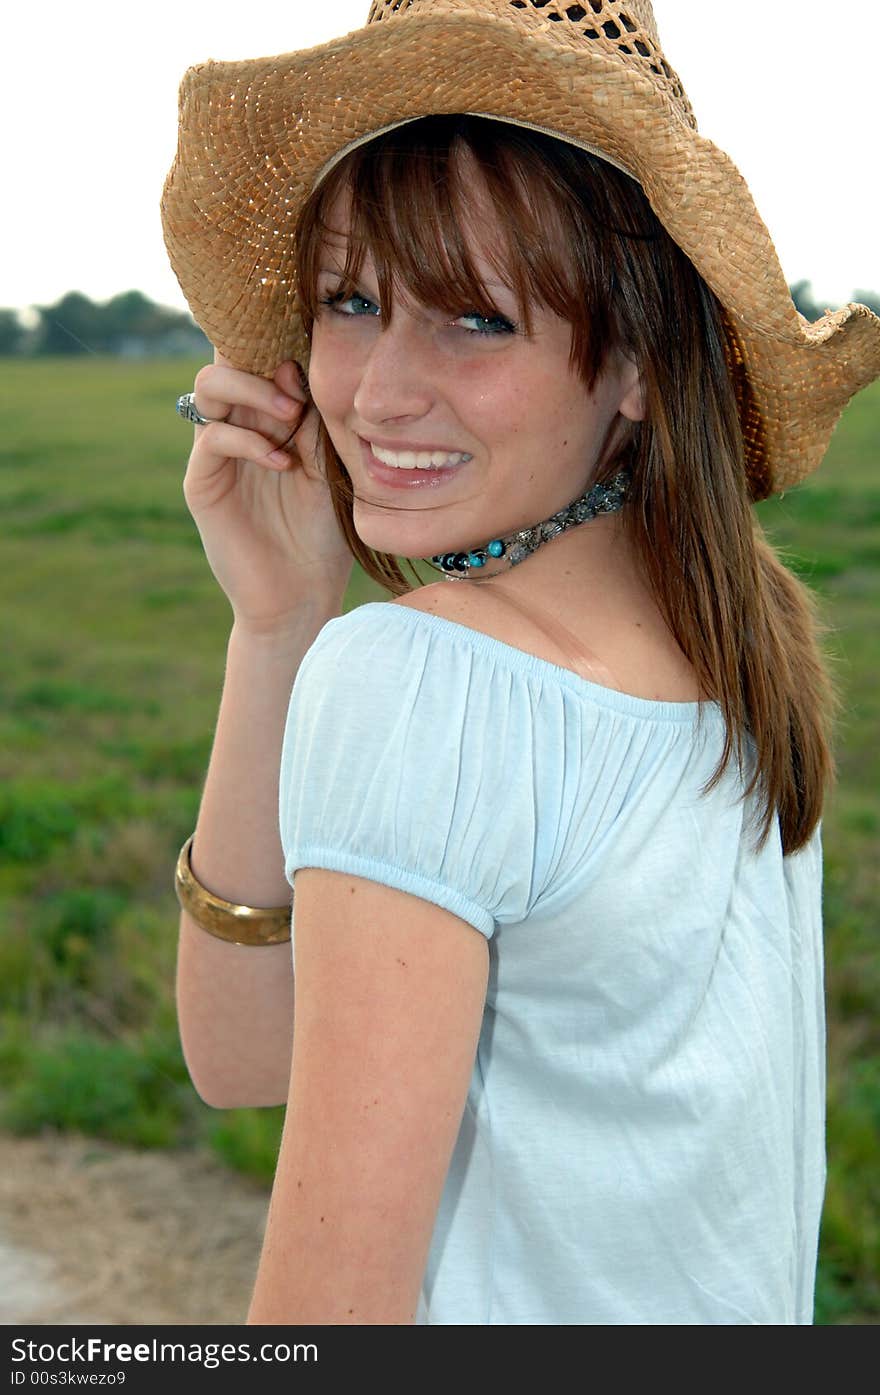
[
  {"x": 476, "y": 561},
  {"x": 496, "y": 549}
]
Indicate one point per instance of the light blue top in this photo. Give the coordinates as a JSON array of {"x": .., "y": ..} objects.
[{"x": 643, "y": 1140}]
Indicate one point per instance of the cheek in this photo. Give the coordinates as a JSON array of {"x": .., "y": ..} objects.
[
  {"x": 327, "y": 376},
  {"x": 497, "y": 396},
  {"x": 571, "y": 410}
]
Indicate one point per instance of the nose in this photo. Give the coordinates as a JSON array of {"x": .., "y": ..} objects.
[{"x": 396, "y": 380}]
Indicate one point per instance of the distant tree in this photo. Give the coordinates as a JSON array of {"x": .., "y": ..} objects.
[
  {"x": 133, "y": 316},
  {"x": 130, "y": 313},
  {"x": 869, "y": 298},
  {"x": 802, "y": 295},
  {"x": 129, "y": 323},
  {"x": 73, "y": 325},
  {"x": 12, "y": 333}
]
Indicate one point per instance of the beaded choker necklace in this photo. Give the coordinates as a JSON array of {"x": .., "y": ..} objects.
[{"x": 516, "y": 547}]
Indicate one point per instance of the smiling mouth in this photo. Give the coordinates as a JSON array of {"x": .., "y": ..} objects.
[{"x": 419, "y": 460}]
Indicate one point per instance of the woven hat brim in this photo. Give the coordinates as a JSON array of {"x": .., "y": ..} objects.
[{"x": 255, "y": 135}]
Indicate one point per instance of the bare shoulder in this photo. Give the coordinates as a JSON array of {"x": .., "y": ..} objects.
[
  {"x": 436, "y": 598},
  {"x": 622, "y": 644},
  {"x": 491, "y": 610},
  {"x": 477, "y": 607}
]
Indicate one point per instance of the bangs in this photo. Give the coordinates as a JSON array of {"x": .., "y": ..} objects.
[{"x": 428, "y": 199}]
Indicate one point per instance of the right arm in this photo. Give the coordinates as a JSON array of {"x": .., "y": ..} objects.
[{"x": 272, "y": 540}]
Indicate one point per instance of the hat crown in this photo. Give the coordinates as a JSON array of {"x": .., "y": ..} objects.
[{"x": 624, "y": 30}]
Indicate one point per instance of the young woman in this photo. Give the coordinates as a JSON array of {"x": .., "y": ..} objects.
[{"x": 551, "y": 1036}]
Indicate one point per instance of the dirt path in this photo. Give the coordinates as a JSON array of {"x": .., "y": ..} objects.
[{"x": 94, "y": 1233}]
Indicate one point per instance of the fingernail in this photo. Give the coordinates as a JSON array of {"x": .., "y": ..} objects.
[
  {"x": 286, "y": 404},
  {"x": 278, "y": 457}
]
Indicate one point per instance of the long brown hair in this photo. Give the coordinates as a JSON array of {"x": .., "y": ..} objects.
[{"x": 582, "y": 240}]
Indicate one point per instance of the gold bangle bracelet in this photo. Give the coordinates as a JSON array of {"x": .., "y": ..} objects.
[{"x": 238, "y": 925}]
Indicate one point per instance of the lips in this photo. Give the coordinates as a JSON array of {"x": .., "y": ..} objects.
[{"x": 408, "y": 476}]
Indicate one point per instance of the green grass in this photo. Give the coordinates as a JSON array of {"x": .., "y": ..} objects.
[
  {"x": 829, "y": 530},
  {"x": 111, "y": 1089},
  {"x": 114, "y": 644}
]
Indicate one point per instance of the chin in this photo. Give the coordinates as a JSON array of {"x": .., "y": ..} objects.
[{"x": 390, "y": 536}]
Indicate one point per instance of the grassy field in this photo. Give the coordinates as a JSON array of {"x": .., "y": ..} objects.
[{"x": 114, "y": 634}]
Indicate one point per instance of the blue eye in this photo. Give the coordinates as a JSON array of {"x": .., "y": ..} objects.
[
  {"x": 359, "y": 307},
  {"x": 490, "y": 325},
  {"x": 339, "y": 301}
]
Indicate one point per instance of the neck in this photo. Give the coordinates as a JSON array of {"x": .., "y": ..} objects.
[{"x": 502, "y": 553}]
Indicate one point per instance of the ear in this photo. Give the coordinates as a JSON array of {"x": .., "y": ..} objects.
[{"x": 632, "y": 403}]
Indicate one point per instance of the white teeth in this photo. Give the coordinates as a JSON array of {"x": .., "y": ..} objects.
[{"x": 419, "y": 460}]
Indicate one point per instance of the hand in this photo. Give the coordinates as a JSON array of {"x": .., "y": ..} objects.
[{"x": 260, "y": 502}]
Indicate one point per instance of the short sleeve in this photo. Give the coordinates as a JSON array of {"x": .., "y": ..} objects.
[{"x": 407, "y": 760}]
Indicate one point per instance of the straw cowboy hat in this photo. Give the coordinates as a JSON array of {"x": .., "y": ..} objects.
[{"x": 255, "y": 137}]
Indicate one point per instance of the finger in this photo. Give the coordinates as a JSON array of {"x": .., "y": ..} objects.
[
  {"x": 222, "y": 441},
  {"x": 219, "y": 389},
  {"x": 290, "y": 377}
]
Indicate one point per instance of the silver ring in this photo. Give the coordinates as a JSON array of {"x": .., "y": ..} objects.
[{"x": 186, "y": 408}]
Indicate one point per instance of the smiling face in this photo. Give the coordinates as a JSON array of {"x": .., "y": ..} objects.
[{"x": 491, "y": 404}]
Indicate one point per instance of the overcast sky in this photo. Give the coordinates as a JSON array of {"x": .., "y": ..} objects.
[{"x": 89, "y": 110}]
